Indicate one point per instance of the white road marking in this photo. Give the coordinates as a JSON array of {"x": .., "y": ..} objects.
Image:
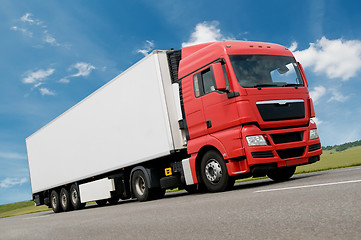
[{"x": 307, "y": 186}]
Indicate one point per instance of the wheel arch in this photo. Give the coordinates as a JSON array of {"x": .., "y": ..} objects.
[{"x": 199, "y": 157}]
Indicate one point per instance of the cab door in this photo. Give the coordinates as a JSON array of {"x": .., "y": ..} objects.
[{"x": 219, "y": 111}]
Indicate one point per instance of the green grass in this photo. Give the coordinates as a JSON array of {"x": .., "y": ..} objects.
[
  {"x": 330, "y": 159},
  {"x": 20, "y": 208}
]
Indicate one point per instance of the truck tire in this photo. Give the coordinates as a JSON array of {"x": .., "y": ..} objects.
[
  {"x": 55, "y": 201},
  {"x": 75, "y": 198},
  {"x": 65, "y": 200},
  {"x": 140, "y": 186},
  {"x": 214, "y": 172},
  {"x": 281, "y": 174}
]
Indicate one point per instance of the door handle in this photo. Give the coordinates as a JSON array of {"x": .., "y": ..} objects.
[{"x": 209, "y": 123}]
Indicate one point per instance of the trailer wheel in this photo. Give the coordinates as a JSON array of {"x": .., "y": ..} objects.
[
  {"x": 75, "y": 198},
  {"x": 55, "y": 201},
  {"x": 140, "y": 186},
  {"x": 214, "y": 172},
  {"x": 281, "y": 174},
  {"x": 65, "y": 199}
]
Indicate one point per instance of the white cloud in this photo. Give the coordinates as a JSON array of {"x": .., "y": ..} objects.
[
  {"x": 10, "y": 182},
  {"x": 46, "y": 91},
  {"x": 84, "y": 69},
  {"x": 337, "y": 96},
  {"x": 206, "y": 32},
  {"x": 48, "y": 38},
  {"x": 27, "y": 18},
  {"x": 38, "y": 30},
  {"x": 64, "y": 80},
  {"x": 37, "y": 76},
  {"x": 12, "y": 155},
  {"x": 317, "y": 93},
  {"x": 317, "y": 121},
  {"x": 24, "y": 31},
  {"x": 337, "y": 58},
  {"x": 293, "y": 46},
  {"x": 148, "y": 46}
]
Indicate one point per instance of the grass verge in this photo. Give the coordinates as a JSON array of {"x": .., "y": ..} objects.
[{"x": 330, "y": 159}]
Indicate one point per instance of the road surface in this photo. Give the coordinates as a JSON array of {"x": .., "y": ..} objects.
[{"x": 320, "y": 205}]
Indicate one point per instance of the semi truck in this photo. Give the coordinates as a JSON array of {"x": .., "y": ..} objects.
[{"x": 197, "y": 119}]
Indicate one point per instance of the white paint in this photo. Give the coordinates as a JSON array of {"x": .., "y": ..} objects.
[
  {"x": 129, "y": 120},
  {"x": 308, "y": 186},
  {"x": 96, "y": 190}
]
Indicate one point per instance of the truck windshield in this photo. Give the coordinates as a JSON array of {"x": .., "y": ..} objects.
[{"x": 254, "y": 71}]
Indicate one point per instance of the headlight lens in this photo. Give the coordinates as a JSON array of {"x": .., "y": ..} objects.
[
  {"x": 257, "y": 140},
  {"x": 313, "y": 134}
]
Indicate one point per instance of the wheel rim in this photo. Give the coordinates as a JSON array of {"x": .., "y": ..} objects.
[
  {"x": 213, "y": 171},
  {"x": 54, "y": 201},
  {"x": 140, "y": 185},
  {"x": 74, "y": 196},
  {"x": 63, "y": 199}
]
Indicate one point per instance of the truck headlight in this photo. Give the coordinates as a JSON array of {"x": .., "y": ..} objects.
[
  {"x": 313, "y": 134},
  {"x": 257, "y": 140}
]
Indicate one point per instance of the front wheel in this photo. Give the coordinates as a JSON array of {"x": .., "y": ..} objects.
[
  {"x": 281, "y": 174},
  {"x": 214, "y": 172}
]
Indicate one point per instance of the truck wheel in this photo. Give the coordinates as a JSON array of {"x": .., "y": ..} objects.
[
  {"x": 75, "y": 198},
  {"x": 65, "y": 200},
  {"x": 140, "y": 186},
  {"x": 281, "y": 174},
  {"x": 214, "y": 172},
  {"x": 55, "y": 201}
]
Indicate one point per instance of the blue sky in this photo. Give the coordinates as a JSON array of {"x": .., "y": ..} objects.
[{"x": 55, "y": 53}]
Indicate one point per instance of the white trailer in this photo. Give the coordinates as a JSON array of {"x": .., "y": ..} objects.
[{"x": 86, "y": 151}]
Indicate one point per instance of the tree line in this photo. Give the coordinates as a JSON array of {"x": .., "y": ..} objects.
[{"x": 343, "y": 147}]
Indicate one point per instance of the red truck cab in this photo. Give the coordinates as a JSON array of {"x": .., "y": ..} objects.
[{"x": 247, "y": 112}]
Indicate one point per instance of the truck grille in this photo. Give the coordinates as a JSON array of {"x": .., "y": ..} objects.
[
  {"x": 287, "y": 137},
  {"x": 279, "y": 110},
  {"x": 264, "y": 154},
  {"x": 291, "y": 152},
  {"x": 314, "y": 147}
]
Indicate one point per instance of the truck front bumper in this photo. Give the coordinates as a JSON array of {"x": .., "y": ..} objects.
[{"x": 284, "y": 147}]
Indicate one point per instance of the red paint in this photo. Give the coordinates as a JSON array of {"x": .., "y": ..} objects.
[{"x": 232, "y": 119}]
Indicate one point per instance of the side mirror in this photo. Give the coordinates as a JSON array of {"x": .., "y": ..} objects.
[
  {"x": 302, "y": 73},
  {"x": 219, "y": 76}
]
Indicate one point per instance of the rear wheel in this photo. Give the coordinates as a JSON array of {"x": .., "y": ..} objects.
[
  {"x": 281, "y": 174},
  {"x": 65, "y": 200},
  {"x": 140, "y": 186},
  {"x": 214, "y": 172},
  {"x": 75, "y": 198},
  {"x": 55, "y": 201}
]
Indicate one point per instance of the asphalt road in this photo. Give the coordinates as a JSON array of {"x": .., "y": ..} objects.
[{"x": 321, "y": 205}]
